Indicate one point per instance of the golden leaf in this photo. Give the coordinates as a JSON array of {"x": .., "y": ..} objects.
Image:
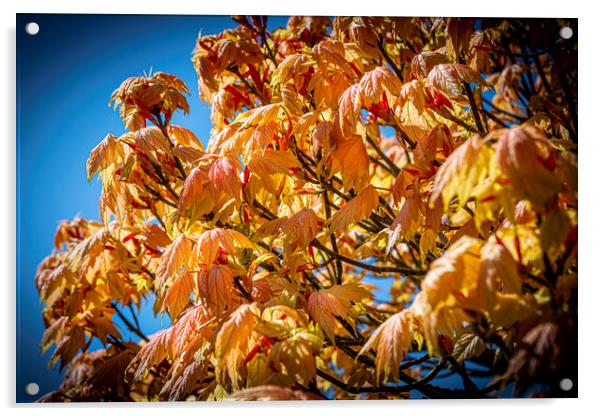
[
  {"x": 326, "y": 305},
  {"x": 177, "y": 296},
  {"x": 461, "y": 172},
  {"x": 391, "y": 341},
  {"x": 224, "y": 177},
  {"x": 449, "y": 78},
  {"x": 108, "y": 152},
  {"x": 375, "y": 82},
  {"x": 174, "y": 260},
  {"x": 209, "y": 243},
  {"x": 196, "y": 199},
  {"x": 358, "y": 208},
  {"x": 232, "y": 342},
  {"x": 215, "y": 286},
  {"x": 522, "y": 154},
  {"x": 350, "y": 157}
]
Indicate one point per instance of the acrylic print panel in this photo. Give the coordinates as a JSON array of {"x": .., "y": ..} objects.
[{"x": 303, "y": 208}]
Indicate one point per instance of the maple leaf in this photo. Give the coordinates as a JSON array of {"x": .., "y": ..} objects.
[
  {"x": 69, "y": 345},
  {"x": 153, "y": 352},
  {"x": 215, "y": 286},
  {"x": 467, "y": 346},
  {"x": 299, "y": 230},
  {"x": 326, "y": 305},
  {"x": 209, "y": 243},
  {"x": 449, "y": 78},
  {"x": 297, "y": 355},
  {"x": 406, "y": 223},
  {"x": 498, "y": 267},
  {"x": 224, "y": 177},
  {"x": 524, "y": 157},
  {"x": 375, "y": 82},
  {"x": 412, "y": 92},
  {"x": 355, "y": 210},
  {"x": 109, "y": 152},
  {"x": 137, "y": 96},
  {"x": 232, "y": 342},
  {"x": 391, "y": 341},
  {"x": 89, "y": 248},
  {"x": 184, "y": 137},
  {"x": 174, "y": 259},
  {"x": 349, "y": 110},
  {"x": 195, "y": 198},
  {"x": 461, "y": 172},
  {"x": 272, "y": 167},
  {"x": 424, "y": 62},
  {"x": 177, "y": 296},
  {"x": 350, "y": 158},
  {"x": 454, "y": 272},
  {"x": 260, "y": 115},
  {"x": 289, "y": 68}
]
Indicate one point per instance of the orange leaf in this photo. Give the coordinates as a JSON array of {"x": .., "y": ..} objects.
[
  {"x": 209, "y": 243},
  {"x": 355, "y": 210},
  {"x": 351, "y": 159},
  {"x": 391, "y": 341},
  {"x": 108, "y": 152},
  {"x": 326, "y": 305},
  {"x": 449, "y": 78},
  {"x": 174, "y": 259},
  {"x": 232, "y": 342}
]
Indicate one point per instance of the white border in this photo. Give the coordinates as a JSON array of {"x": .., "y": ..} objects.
[{"x": 590, "y": 345}]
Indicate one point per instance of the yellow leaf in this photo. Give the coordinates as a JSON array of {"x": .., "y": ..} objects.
[
  {"x": 154, "y": 351},
  {"x": 406, "y": 222},
  {"x": 358, "y": 208},
  {"x": 391, "y": 341},
  {"x": 209, "y": 243},
  {"x": 522, "y": 153},
  {"x": 108, "y": 152},
  {"x": 326, "y": 305},
  {"x": 449, "y": 78},
  {"x": 497, "y": 267},
  {"x": 350, "y": 157},
  {"x": 423, "y": 62},
  {"x": 457, "y": 271},
  {"x": 173, "y": 260},
  {"x": 224, "y": 177},
  {"x": 461, "y": 172},
  {"x": 195, "y": 198},
  {"x": 232, "y": 342},
  {"x": 215, "y": 286},
  {"x": 375, "y": 82},
  {"x": 177, "y": 296},
  {"x": 184, "y": 137},
  {"x": 260, "y": 115}
]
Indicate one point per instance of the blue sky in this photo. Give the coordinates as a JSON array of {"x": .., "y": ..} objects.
[{"x": 65, "y": 76}]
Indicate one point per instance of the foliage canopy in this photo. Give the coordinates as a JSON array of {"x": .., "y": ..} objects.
[{"x": 436, "y": 157}]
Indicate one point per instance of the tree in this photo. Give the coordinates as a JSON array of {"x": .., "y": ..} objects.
[{"x": 435, "y": 155}]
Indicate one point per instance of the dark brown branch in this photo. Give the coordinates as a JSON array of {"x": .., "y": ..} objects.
[
  {"x": 383, "y": 51},
  {"x": 474, "y": 109},
  {"x": 333, "y": 241},
  {"x": 130, "y": 326},
  {"x": 383, "y": 389},
  {"x": 411, "y": 273},
  {"x": 381, "y": 154}
]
